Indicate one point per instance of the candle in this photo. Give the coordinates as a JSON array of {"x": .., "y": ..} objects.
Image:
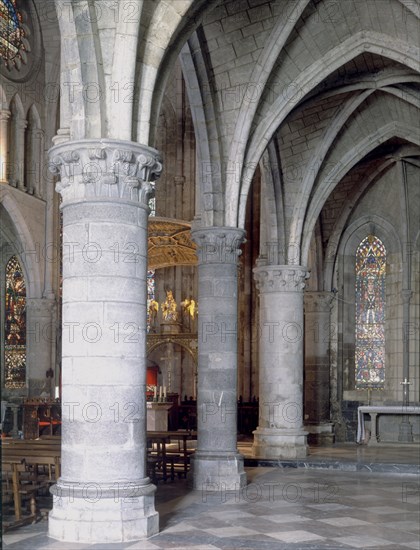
[
  {"x": 164, "y": 392},
  {"x": 155, "y": 392},
  {"x": 57, "y": 392},
  {"x": 160, "y": 392}
]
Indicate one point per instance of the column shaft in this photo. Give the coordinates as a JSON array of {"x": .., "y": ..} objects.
[
  {"x": 4, "y": 117},
  {"x": 217, "y": 465},
  {"x": 280, "y": 431},
  {"x": 40, "y": 340},
  {"x": 103, "y": 494},
  {"x": 317, "y": 367}
]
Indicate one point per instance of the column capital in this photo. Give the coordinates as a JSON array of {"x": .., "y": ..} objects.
[
  {"x": 280, "y": 278},
  {"x": 218, "y": 244},
  {"x": 4, "y": 114},
  {"x": 318, "y": 302},
  {"x": 105, "y": 169}
]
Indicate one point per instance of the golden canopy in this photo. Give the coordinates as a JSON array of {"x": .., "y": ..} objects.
[{"x": 170, "y": 243}]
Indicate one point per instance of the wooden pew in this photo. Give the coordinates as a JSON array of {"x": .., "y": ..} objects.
[
  {"x": 178, "y": 461},
  {"x": 13, "y": 469},
  {"x": 36, "y": 453}
]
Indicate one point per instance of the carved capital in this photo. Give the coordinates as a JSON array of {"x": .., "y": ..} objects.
[
  {"x": 318, "y": 302},
  {"x": 280, "y": 278},
  {"x": 218, "y": 244},
  {"x": 105, "y": 169}
]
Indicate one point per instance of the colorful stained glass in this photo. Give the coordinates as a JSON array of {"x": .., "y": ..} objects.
[
  {"x": 370, "y": 313},
  {"x": 11, "y": 31},
  {"x": 15, "y": 326},
  {"x": 152, "y": 201},
  {"x": 151, "y": 309}
]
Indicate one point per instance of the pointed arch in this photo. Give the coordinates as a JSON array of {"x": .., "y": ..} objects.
[
  {"x": 354, "y": 155},
  {"x": 377, "y": 43},
  {"x": 28, "y": 251}
]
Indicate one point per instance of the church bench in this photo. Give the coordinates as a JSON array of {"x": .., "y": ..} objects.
[
  {"x": 181, "y": 456},
  {"x": 35, "y": 457},
  {"x": 374, "y": 411},
  {"x": 15, "y": 485}
]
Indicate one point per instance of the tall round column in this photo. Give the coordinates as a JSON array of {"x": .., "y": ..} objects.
[
  {"x": 40, "y": 337},
  {"x": 318, "y": 332},
  {"x": 103, "y": 494},
  {"x": 4, "y": 118},
  {"x": 217, "y": 465},
  {"x": 280, "y": 432}
]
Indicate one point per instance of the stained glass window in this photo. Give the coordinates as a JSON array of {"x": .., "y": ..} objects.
[
  {"x": 15, "y": 326},
  {"x": 152, "y": 200},
  {"x": 11, "y": 33},
  {"x": 150, "y": 299},
  {"x": 370, "y": 313},
  {"x": 151, "y": 311}
]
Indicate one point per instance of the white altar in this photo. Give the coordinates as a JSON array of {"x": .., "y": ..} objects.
[
  {"x": 374, "y": 411},
  {"x": 157, "y": 416}
]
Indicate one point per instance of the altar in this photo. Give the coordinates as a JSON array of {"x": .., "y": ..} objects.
[
  {"x": 374, "y": 411},
  {"x": 157, "y": 416}
]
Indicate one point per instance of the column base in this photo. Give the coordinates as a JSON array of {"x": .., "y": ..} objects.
[
  {"x": 320, "y": 435},
  {"x": 103, "y": 513},
  {"x": 221, "y": 472},
  {"x": 279, "y": 443}
]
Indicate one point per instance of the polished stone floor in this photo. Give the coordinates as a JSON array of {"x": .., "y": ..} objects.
[{"x": 281, "y": 508}]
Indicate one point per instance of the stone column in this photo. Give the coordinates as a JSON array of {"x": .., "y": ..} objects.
[
  {"x": 280, "y": 432},
  {"x": 40, "y": 334},
  {"x": 317, "y": 367},
  {"x": 33, "y": 161},
  {"x": 103, "y": 494},
  {"x": 217, "y": 465},
  {"x": 4, "y": 117},
  {"x": 405, "y": 433},
  {"x": 17, "y": 153}
]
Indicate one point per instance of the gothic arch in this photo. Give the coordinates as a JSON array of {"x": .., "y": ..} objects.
[
  {"x": 354, "y": 155},
  {"x": 401, "y": 52},
  {"x": 26, "y": 249}
]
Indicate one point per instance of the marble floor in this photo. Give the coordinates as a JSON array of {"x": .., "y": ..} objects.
[{"x": 281, "y": 508}]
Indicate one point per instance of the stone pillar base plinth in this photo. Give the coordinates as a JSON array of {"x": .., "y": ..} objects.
[
  {"x": 405, "y": 434},
  {"x": 278, "y": 443},
  {"x": 321, "y": 435},
  {"x": 91, "y": 512},
  {"x": 224, "y": 472}
]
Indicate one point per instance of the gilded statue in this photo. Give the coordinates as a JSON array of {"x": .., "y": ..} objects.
[
  {"x": 190, "y": 307},
  {"x": 153, "y": 311},
  {"x": 169, "y": 307}
]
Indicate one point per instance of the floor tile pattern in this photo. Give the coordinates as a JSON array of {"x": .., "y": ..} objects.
[{"x": 280, "y": 509}]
